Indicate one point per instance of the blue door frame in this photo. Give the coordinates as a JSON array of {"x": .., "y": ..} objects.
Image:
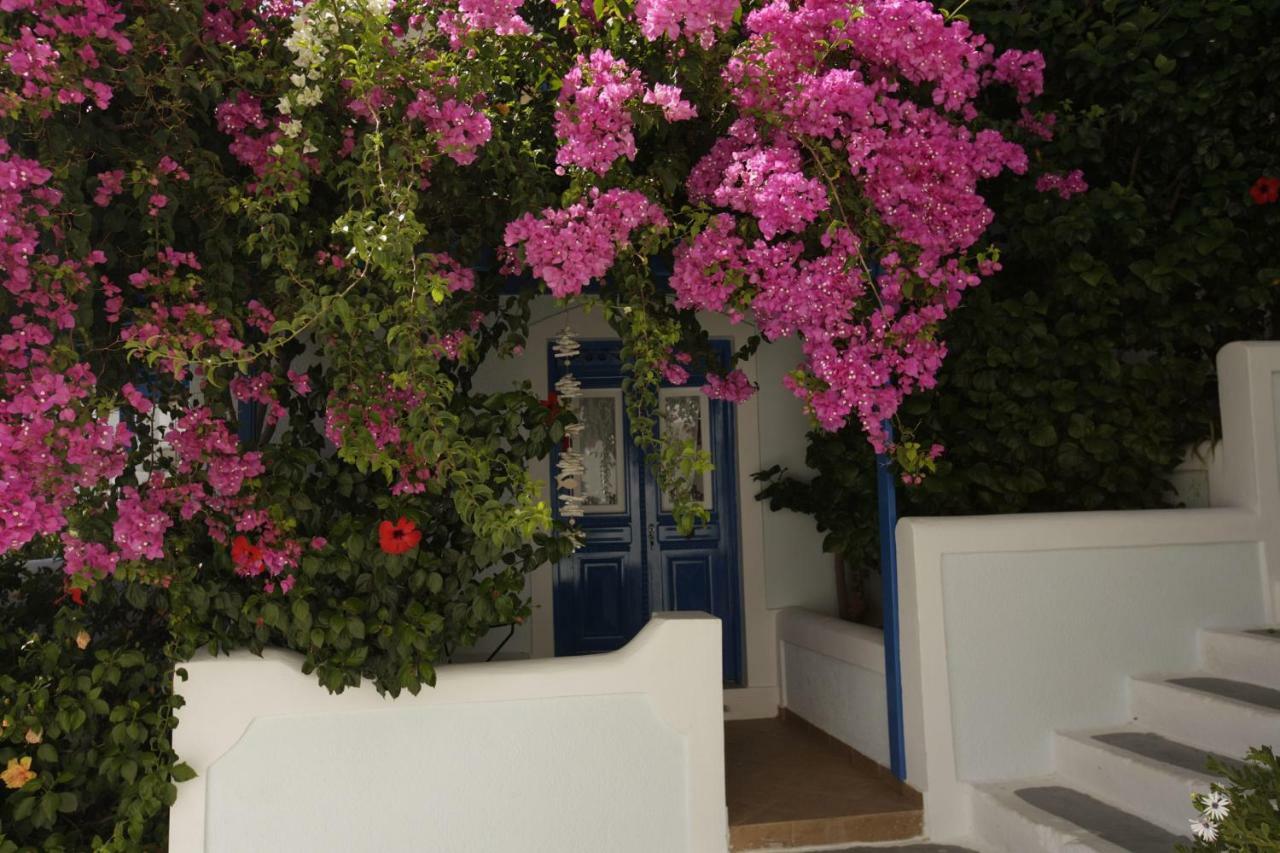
[{"x": 634, "y": 561}]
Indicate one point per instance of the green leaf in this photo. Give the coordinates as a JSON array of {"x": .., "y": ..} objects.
[{"x": 182, "y": 772}]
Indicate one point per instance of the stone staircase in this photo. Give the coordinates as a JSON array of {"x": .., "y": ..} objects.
[{"x": 1129, "y": 788}]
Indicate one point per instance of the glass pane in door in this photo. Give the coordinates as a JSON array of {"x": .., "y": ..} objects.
[
  {"x": 684, "y": 418},
  {"x": 600, "y": 444}
]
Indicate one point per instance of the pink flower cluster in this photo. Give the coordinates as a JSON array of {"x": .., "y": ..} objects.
[
  {"x": 568, "y": 248},
  {"x": 455, "y": 275},
  {"x": 54, "y": 51},
  {"x": 56, "y": 448},
  {"x": 53, "y": 446},
  {"x": 253, "y": 135},
  {"x": 593, "y": 116},
  {"x": 258, "y": 389},
  {"x": 693, "y": 19},
  {"x": 734, "y": 387},
  {"x": 461, "y": 128},
  {"x": 358, "y": 418},
  {"x": 498, "y": 16},
  {"x": 207, "y": 480},
  {"x": 176, "y": 322},
  {"x": 1065, "y": 185},
  {"x": 234, "y": 22},
  {"x": 917, "y": 165}
]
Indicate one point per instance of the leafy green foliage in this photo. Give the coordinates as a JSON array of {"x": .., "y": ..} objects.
[
  {"x": 1252, "y": 822},
  {"x": 1080, "y": 375},
  {"x": 95, "y": 721}
]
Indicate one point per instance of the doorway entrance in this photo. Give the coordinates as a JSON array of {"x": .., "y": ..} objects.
[{"x": 634, "y": 561}]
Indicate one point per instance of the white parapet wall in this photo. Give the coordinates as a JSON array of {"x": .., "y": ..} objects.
[
  {"x": 621, "y": 752},
  {"x": 1015, "y": 626},
  {"x": 833, "y": 677}
]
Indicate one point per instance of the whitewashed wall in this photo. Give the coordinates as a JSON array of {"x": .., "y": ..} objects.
[
  {"x": 833, "y": 677},
  {"x": 621, "y": 752},
  {"x": 782, "y": 560},
  {"x": 1013, "y": 626}
]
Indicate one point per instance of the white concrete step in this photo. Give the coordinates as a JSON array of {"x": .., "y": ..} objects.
[
  {"x": 1198, "y": 717},
  {"x": 1030, "y": 816},
  {"x": 1243, "y": 655},
  {"x": 1106, "y": 764},
  {"x": 1004, "y": 823}
]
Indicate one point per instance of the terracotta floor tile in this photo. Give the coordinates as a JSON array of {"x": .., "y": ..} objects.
[{"x": 788, "y": 785}]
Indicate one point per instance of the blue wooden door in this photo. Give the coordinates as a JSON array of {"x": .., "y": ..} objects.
[{"x": 634, "y": 562}]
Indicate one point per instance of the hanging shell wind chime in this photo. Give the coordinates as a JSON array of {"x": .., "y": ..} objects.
[{"x": 570, "y": 468}]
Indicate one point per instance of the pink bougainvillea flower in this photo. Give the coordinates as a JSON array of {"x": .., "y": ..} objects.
[
  {"x": 398, "y": 537},
  {"x": 1065, "y": 185},
  {"x": 734, "y": 387}
]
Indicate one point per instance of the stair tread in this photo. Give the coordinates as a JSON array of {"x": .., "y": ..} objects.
[
  {"x": 1115, "y": 826},
  {"x": 1156, "y": 747},
  {"x": 1239, "y": 691}
]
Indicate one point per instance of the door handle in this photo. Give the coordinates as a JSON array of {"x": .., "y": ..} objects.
[{"x": 653, "y": 538}]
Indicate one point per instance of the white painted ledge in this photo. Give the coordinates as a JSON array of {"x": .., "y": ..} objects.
[{"x": 858, "y": 645}]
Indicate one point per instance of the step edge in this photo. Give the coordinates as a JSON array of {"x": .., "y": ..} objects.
[
  {"x": 1162, "y": 682},
  {"x": 1004, "y": 794},
  {"x": 1174, "y": 771}
]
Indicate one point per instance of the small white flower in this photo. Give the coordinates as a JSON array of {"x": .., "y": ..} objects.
[
  {"x": 291, "y": 128},
  {"x": 1205, "y": 830},
  {"x": 298, "y": 80},
  {"x": 1216, "y": 806},
  {"x": 284, "y": 106}
]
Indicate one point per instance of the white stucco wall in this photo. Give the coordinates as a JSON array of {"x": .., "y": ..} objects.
[
  {"x": 797, "y": 572},
  {"x": 604, "y": 771},
  {"x": 1275, "y": 419},
  {"x": 1046, "y": 640},
  {"x": 621, "y": 752},
  {"x": 782, "y": 560},
  {"x": 833, "y": 677},
  {"x": 1014, "y": 626}
]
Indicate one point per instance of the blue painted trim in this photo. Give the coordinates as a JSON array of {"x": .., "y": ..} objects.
[
  {"x": 247, "y": 415},
  {"x": 887, "y": 503}
]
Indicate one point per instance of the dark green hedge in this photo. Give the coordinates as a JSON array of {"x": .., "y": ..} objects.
[{"x": 1079, "y": 376}]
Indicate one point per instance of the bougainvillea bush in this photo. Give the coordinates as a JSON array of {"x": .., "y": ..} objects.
[
  {"x": 252, "y": 252},
  {"x": 1082, "y": 373}
]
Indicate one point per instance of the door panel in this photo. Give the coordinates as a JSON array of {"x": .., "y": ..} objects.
[
  {"x": 701, "y": 571},
  {"x": 634, "y": 560}
]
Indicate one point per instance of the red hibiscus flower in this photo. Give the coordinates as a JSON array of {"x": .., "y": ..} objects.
[
  {"x": 246, "y": 556},
  {"x": 68, "y": 591},
  {"x": 552, "y": 405},
  {"x": 1265, "y": 190},
  {"x": 398, "y": 537}
]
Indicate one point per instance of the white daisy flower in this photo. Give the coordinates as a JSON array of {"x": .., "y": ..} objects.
[
  {"x": 1216, "y": 806},
  {"x": 1205, "y": 830}
]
